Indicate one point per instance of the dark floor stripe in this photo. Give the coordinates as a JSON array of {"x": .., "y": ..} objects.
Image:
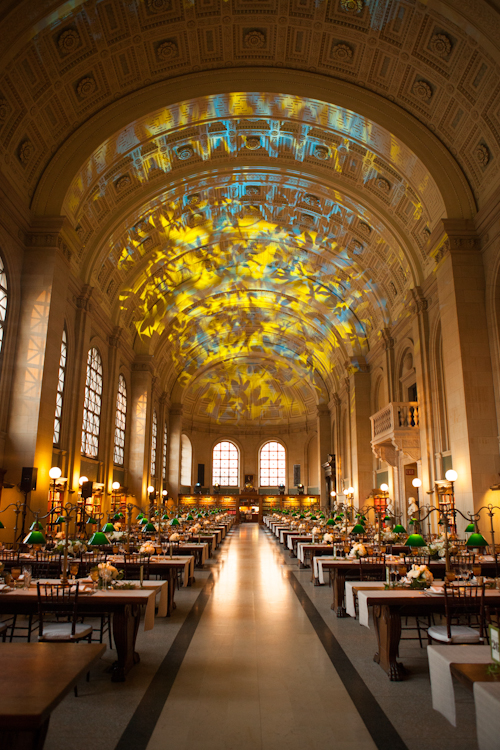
[
  {"x": 376, "y": 721},
  {"x": 141, "y": 726}
]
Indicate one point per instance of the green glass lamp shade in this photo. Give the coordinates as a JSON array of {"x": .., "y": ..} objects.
[
  {"x": 313, "y": 518},
  {"x": 140, "y": 516},
  {"x": 149, "y": 527},
  {"x": 98, "y": 539},
  {"x": 340, "y": 515},
  {"x": 108, "y": 528},
  {"x": 470, "y": 528},
  {"x": 199, "y": 515},
  {"x": 321, "y": 515},
  {"x": 330, "y": 522},
  {"x": 61, "y": 519},
  {"x": 118, "y": 516},
  {"x": 415, "y": 540},
  {"x": 92, "y": 521},
  {"x": 35, "y": 537},
  {"x": 399, "y": 529},
  {"x": 190, "y": 517},
  {"x": 358, "y": 529},
  {"x": 164, "y": 517},
  {"x": 36, "y": 526},
  {"x": 387, "y": 518},
  {"x": 174, "y": 522},
  {"x": 476, "y": 540},
  {"x": 338, "y": 519},
  {"x": 143, "y": 521},
  {"x": 302, "y": 515},
  {"x": 1, "y": 525}
]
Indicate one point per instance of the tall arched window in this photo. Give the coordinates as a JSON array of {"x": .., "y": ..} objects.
[
  {"x": 3, "y": 300},
  {"x": 120, "y": 422},
  {"x": 60, "y": 388},
  {"x": 154, "y": 439},
  {"x": 226, "y": 464},
  {"x": 272, "y": 465},
  {"x": 186, "y": 461},
  {"x": 92, "y": 405},
  {"x": 164, "y": 453}
]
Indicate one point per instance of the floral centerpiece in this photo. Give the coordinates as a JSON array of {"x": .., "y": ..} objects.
[
  {"x": 174, "y": 537},
  {"x": 196, "y": 528},
  {"x": 328, "y": 538},
  {"x": 147, "y": 549},
  {"x": 358, "y": 550},
  {"x": 419, "y": 577},
  {"x": 105, "y": 573},
  {"x": 75, "y": 548},
  {"x": 388, "y": 536}
]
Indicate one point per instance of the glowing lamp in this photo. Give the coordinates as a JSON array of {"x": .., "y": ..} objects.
[
  {"x": 108, "y": 528},
  {"x": 416, "y": 482},
  {"x": 451, "y": 475},
  {"x": 82, "y": 480},
  {"x": 149, "y": 527},
  {"x": 55, "y": 472},
  {"x": 384, "y": 487},
  {"x": 470, "y": 528},
  {"x": 358, "y": 529},
  {"x": 399, "y": 529},
  {"x": 99, "y": 539},
  {"x": 151, "y": 488},
  {"x": 35, "y": 537},
  {"x": 415, "y": 540},
  {"x": 115, "y": 486},
  {"x": 476, "y": 540},
  {"x": 174, "y": 522}
]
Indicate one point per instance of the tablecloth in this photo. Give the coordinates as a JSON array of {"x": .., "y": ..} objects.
[{"x": 487, "y": 700}]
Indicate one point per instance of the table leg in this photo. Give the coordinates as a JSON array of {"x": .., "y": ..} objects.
[
  {"x": 339, "y": 593},
  {"x": 125, "y": 628},
  {"x": 387, "y": 623},
  {"x": 172, "y": 581}
]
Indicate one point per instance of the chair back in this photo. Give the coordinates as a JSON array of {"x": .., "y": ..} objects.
[
  {"x": 133, "y": 565},
  {"x": 462, "y": 559},
  {"x": 417, "y": 559},
  {"x": 372, "y": 568},
  {"x": 59, "y": 601},
  {"x": 46, "y": 565},
  {"x": 88, "y": 562},
  {"x": 465, "y": 605}
]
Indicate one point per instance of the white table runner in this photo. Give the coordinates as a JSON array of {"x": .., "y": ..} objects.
[
  {"x": 440, "y": 658},
  {"x": 487, "y": 700}
]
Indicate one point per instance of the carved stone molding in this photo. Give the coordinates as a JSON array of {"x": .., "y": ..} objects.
[
  {"x": 387, "y": 339},
  {"x": 83, "y": 300},
  {"x": 386, "y": 452},
  {"x": 420, "y": 303},
  {"x": 115, "y": 337}
]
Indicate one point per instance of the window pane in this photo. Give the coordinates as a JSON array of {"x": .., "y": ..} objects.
[
  {"x": 92, "y": 405},
  {"x": 225, "y": 464},
  {"x": 272, "y": 465},
  {"x": 120, "y": 422}
]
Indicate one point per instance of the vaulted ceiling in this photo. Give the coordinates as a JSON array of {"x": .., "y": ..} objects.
[{"x": 251, "y": 224}]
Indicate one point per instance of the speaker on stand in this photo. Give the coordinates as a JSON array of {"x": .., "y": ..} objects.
[{"x": 27, "y": 484}]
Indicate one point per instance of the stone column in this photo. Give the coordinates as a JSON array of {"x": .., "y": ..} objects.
[
  {"x": 362, "y": 459},
  {"x": 108, "y": 417},
  {"x": 44, "y": 291},
  {"x": 140, "y": 428},
  {"x": 163, "y": 417},
  {"x": 467, "y": 363},
  {"x": 324, "y": 448},
  {"x": 388, "y": 344},
  {"x": 174, "y": 453}
]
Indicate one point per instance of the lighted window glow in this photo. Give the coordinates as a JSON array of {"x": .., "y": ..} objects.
[
  {"x": 92, "y": 405},
  {"x": 186, "y": 461},
  {"x": 154, "y": 438},
  {"x": 60, "y": 388},
  {"x": 272, "y": 465},
  {"x": 3, "y": 300},
  {"x": 120, "y": 422},
  {"x": 225, "y": 464},
  {"x": 164, "y": 452}
]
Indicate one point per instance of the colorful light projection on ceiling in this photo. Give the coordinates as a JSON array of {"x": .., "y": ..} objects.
[{"x": 253, "y": 393}]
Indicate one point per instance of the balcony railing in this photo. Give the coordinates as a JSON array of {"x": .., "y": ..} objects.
[{"x": 395, "y": 416}]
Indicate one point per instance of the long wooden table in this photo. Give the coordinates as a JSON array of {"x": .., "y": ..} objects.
[
  {"x": 34, "y": 679},
  {"x": 126, "y": 607},
  {"x": 388, "y": 609}
]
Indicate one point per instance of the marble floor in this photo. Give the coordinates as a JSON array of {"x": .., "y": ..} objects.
[{"x": 253, "y": 657}]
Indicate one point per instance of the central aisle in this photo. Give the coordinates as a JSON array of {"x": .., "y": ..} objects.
[{"x": 256, "y": 675}]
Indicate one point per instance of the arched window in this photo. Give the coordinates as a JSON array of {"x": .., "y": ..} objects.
[
  {"x": 164, "y": 453},
  {"x": 92, "y": 405},
  {"x": 226, "y": 464},
  {"x": 154, "y": 439},
  {"x": 60, "y": 388},
  {"x": 3, "y": 300},
  {"x": 120, "y": 422},
  {"x": 186, "y": 461},
  {"x": 272, "y": 465}
]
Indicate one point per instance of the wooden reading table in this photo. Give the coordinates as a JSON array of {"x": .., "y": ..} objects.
[{"x": 34, "y": 678}]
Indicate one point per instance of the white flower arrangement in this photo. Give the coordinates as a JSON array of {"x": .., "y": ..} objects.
[
  {"x": 108, "y": 572},
  {"x": 328, "y": 538},
  {"x": 358, "y": 550},
  {"x": 316, "y": 530},
  {"x": 419, "y": 576},
  {"x": 302, "y": 527},
  {"x": 116, "y": 536},
  {"x": 147, "y": 549},
  {"x": 196, "y": 528},
  {"x": 389, "y": 536},
  {"x": 174, "y": 537},
  {"x": 206, "y": 523}
]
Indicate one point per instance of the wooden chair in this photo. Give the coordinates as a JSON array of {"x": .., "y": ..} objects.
[
  {"x": 4, "y": 626},
  {"x": 133, "y": 565},
  {"x": 460, "y": 560},
  {"x": 46, "y": 565},
  {"x": 87, "y": 562},
  {"x": 61, "y": 603},
  {"x": 372, "y": 568},
  {"x": 417, "y": 560},
  {"x": 464, "y": 605}
]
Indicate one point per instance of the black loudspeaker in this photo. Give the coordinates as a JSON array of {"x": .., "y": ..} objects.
[
  {"x": 296, "y": 474},
  {"x": 201, "y": 474},
  {"x": 28, "y": 478},
  {"x": 87, "y": 489}
]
